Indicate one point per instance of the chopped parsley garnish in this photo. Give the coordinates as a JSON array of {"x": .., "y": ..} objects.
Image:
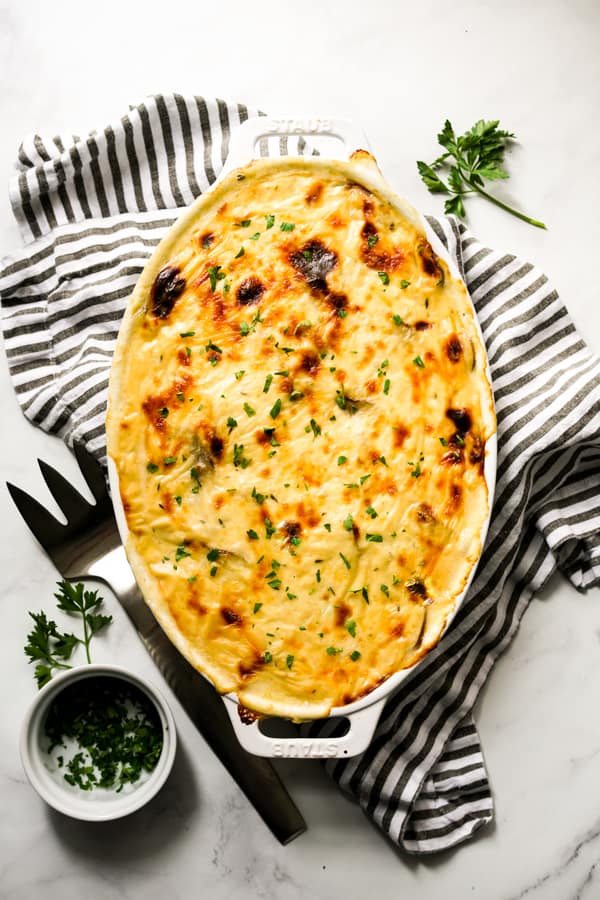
[
  {"x": 195, "y": 474},
  {"x": 187, "y": 334},
  {"x": 289, "y": 661},
  {"x": 215, "y": 274},
  {"x": 267, "y": 656},
  {"x": 212, "y": 555},
  {"x": 327, "y": 526},
  {"x": 238, "y": 457},
  {"x": 115, "y": 727},
  {"x": 364, "y": 478},
  {"x": 252, "y": 534},
  {"x": 340, "y": 397},
  {"x": 354, "y": 655},
  {"x": 274, "y": 583},
  {"x": 348, "y": 522},
  {"x": 384, "y": 589},
  {"x": 164, "y": 412},
  {"x": 269, "y": 529},
  {"x": 287, "y": 226},
  {"x": 181, "y": 553},
  {"x": 345, "y": 561},
  {"x": 341, "y": 460},
  {"x": 249, "y": 410},
  {"x": 178, "y": 499},
  {"x": 295, "y": 540},
  {"x": 231, "y": 423},
  {"x": 275, "y": 409},
  {"x": 419, "y": 362},
  {"x": 268, "y": 382},
  {"x": 404, "y": 284},
  {"x": 244, "y": 328},
  {"x": 398, "y": 320},
  {"x": 333, "y": 651},
  {"x": 239, "y": 374},
  {"x": 296, "y": 395},
  {"x": 152, "y": 468},
  {"x": 316, "y": 429},
  {"x": 270, "y": 221},
  {"x": 350, "y": 627},
  {"x": 384, "y": 277},
  {"x": 372, "y": 239},
  {"x": 374, "y": 538},
  {"x": 214, "y": 347},
  {"x": 240, "y": 252},
  {"x": 180, "y": 397},
  {"x": 245, "y": 223},
  {"x": 169, "y": 460},
  {"x": 371, "y": 512},
  {"x": 260, "y": 498},
  {"x": 213, "y": 571},
  {"x": 257, "y": 606},
  {"x": 255, "y": 237},
  {"x": 386, "y": 386},
  {"x": 443, "y": 442}
]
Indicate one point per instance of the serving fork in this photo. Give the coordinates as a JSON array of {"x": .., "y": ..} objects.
[{"x": 89, "y": 545}]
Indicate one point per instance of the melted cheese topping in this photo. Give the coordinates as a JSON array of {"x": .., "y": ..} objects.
[{"x": 298, "y": 414}]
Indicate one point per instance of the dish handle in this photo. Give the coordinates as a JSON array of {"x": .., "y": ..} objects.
[
  {"x": 244, "y": 139},
  {"x": 358, "y": 737}
]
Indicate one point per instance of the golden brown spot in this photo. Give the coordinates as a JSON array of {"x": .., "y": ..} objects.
[
  {"x": 452, "y": 457},
  {"x": 218, "y": 501},
  {"x": 461, "y": 418},
  {"x": 314, "y": 192},
  {"x": 167, "y": 501},
  {"x": 342, "y": 613},
  {"x": 425, "y": 513},
  {"x": 398, "y": 629},
  {"x": 222, "y": 209},
  {"x": 250, "y": 668},
  {"x": 454, "y": 348},
  {"x": 428, "y": 260},
  {"x": 371, "y": 386},
  {"x": 167, "y": 287},
  {"x": 247, "y": 716},
  {"x": 310, "y": 363},
  {"x": 401, "y": 432},
  {"x": 194, "y": 604},
  {"x": 183, "y": 357},
  {"x": 307, "y": 516},
  {"x": 336, "y": 222},
  {"x": 206, "y": 240},
  {"x": 455, "y": 499},
  {"x": 230, "y": 616},
  {"x": 250, "y": 291},
  {"x": 416, "y": 588},
  {"x": 155, "y": 403},
  {"x": 477, "y": 451},
  {"x": 421, "y": 325}
]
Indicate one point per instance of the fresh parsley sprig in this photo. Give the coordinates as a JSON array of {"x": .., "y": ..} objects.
[
  {"x": 470, "y": 160},
  {"x": 51, "y": 648}
]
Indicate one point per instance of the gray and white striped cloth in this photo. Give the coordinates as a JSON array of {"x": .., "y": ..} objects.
[{"x": 91, "y": 211}]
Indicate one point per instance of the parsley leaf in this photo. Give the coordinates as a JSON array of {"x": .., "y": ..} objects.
[{"x": 470, "y": 159}]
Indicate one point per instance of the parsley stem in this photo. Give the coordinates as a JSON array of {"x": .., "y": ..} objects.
[
  {"x": 509, "y": 209},
  {"x": 86, "y": 638}
]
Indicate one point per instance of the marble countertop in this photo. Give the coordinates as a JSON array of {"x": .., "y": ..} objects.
[{"x": 398, "y": 72}]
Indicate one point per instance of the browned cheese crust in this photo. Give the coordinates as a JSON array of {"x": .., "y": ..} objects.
[{"x": 299, "y": 413}]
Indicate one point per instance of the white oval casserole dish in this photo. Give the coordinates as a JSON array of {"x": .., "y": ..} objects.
[{"x": 364, "y": 713}]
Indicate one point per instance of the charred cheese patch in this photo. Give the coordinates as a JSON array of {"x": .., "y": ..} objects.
[{"x": 298, "y": 414}]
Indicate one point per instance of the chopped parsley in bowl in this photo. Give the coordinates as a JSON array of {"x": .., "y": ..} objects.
[{"x": 98, "y": 742}]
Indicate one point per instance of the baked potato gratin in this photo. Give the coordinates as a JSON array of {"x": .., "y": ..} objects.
[{"x": 298, "y": 414}]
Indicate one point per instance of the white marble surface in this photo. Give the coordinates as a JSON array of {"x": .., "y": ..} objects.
[{"x": 398, "y": 69}]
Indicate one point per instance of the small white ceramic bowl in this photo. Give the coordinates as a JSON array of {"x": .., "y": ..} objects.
[{"x": 45, "y": 775}]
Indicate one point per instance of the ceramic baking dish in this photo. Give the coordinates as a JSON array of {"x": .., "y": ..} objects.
[{"x": 266, "y": 134}]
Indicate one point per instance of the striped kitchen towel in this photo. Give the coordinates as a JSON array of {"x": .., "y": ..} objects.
[{"x": 92, "y": 210}]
